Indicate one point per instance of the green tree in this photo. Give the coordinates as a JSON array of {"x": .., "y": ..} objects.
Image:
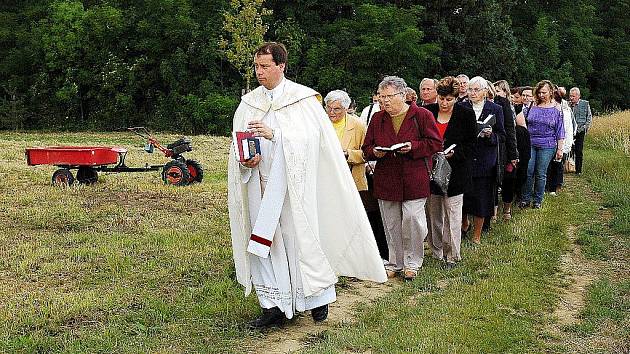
[
  {"x": 244, "y": 24},
  {"x": 610, "y": 80}
]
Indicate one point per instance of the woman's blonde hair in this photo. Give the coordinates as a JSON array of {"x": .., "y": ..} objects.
[{"x": 540, "y": 85}]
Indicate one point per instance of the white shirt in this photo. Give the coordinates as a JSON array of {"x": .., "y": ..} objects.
[
  {"x": 364, "y": 114},
  {"x": 478, "y": 108},
  {"x": 275, "y": 92}
]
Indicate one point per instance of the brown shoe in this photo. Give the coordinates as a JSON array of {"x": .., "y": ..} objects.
[
  {"x": 391, "y": 273},
  {"x": 410, "y": 274}
]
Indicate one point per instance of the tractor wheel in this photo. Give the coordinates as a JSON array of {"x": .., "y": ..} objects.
[
  {"x": 175, "y": 173},
  {"x": 195, "y": 170},
  {"x": 62, "y": 177},
  {"x": 87, "y": 175}
]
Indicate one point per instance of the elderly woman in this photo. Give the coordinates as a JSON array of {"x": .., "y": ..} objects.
[
  {"x": 479, "y": 199},
  {"x": 546, "y": 130},
  {"x": 350, "y": 131},
  {"x": 456, "y": 125},
  {"x": 401, "y": 138}
]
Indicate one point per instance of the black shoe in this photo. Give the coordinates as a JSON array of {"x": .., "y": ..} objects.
[
  {"x": 450, "y": 265},
  {"x": 523, "y": 205},
  {"x": 537, "y": 206},
  {"x": 272, "y": 317},
  {"x": 320, "y": 313}
]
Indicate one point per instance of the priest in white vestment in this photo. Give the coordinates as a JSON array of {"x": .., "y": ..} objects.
[{"x": 296, "y": 218}]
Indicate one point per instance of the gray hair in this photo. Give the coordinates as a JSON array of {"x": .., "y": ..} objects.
[
  {"x": 394, "y": 81},
  {"x": 435, "y": 82},
  {"x": 576, "y": 90},
  {"x": 340, "y": 96},
  {"x": 463, "y": 76},
  {"x": 483, "y": 84}
]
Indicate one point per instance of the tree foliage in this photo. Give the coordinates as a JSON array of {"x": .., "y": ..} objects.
[
  {"x": 244, "y": 24},
  {"x": 180, "y": 65}
]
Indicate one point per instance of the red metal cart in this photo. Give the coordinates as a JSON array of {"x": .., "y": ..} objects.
[{"x": 89, "y": 160}]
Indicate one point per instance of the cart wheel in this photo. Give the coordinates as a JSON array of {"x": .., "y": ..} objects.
[
  {"x": 175, "y": 173},
  {"x": 195, "y": 170},
  {"x": 87, "y": 175},
  {"x": 62, "y": 176}
]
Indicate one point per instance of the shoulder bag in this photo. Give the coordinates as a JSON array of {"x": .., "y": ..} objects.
[{"x": 440, "y": 175}]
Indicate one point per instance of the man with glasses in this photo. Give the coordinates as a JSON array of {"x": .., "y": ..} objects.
[
  {"x": 527, "y": 97},
  {"x": 295, "y": 216}
]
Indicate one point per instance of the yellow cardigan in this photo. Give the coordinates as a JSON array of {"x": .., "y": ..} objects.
[{"x": 351, "y": 142}]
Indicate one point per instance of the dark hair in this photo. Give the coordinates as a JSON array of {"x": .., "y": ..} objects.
[
  {"x": 515, "y": 90},
  {"x": 448, "y": 86},
  {"x": 540, "y": 85},
  {"x": 277, "y": 50},
  {"x": 525, "y": 88}
]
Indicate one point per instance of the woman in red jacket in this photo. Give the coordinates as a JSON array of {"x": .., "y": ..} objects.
[{"x": 401, "y": 179}]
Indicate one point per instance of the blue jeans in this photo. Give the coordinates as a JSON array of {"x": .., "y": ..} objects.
[{"x": 538, "y": 163}]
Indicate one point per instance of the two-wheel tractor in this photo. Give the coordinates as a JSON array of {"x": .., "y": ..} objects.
[{"x": 180, "y": 173}]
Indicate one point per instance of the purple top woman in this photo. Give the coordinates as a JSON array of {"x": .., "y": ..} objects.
[
  {"x": 545, "y": 126},
  {"x": 546, "y": 130}
]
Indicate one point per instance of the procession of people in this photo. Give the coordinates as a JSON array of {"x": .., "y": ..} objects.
[{"x": 302, "y": 208}]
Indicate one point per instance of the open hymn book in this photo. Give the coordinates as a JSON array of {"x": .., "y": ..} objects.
[
  {"x": 486, "y": 123},
  {"x": 392, "y": 148},
  {"x": 246, "y": 145},
  {"x": 448, "y": 150}
]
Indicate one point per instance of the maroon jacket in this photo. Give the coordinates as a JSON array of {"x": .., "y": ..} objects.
[{"x": 399, "y": 177}]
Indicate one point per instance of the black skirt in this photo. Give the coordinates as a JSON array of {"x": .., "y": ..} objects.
[{"x": 479, "y": 199}]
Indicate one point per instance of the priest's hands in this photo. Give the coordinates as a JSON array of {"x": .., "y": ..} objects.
[
  {"x": 253, "y": 162},
  {"x": 260, "y": 129}
]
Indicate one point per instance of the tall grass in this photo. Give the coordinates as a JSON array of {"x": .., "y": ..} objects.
[{"x": 611, "y": 132}]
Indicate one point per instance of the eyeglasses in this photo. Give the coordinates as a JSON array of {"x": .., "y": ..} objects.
[
  {"x": 334, "y": 110},
  {"x": 389, "y": 97},
  {"x": 475, "y": 90}
]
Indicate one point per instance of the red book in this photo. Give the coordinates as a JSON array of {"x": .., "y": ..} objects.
[{"x": 246, "y": 145}]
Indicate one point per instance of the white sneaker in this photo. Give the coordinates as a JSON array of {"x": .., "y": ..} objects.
[{"x": 552, "y": 194}]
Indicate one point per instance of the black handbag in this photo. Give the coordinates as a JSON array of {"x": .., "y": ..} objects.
[{"x": 439, "y": 175}]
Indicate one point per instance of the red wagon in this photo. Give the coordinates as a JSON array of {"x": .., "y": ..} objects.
[{"x": 89, "y": 160}]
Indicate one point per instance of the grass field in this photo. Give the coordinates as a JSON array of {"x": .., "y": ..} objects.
[{"x": 132, "y": 265}]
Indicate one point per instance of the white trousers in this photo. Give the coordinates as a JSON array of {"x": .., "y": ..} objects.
[
  {"x": 405, "y": 229},
  {"x": 445, "y": 225}
]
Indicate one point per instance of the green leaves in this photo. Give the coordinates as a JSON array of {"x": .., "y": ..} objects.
[
  {"x": 73, "y": 64},
  {"x": 244, "y": 24}
]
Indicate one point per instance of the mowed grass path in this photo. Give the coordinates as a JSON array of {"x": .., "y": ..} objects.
[{"x": 131, "y": 265}]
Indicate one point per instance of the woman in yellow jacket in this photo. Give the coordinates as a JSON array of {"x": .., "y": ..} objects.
[{"x": 350, "y": 131}]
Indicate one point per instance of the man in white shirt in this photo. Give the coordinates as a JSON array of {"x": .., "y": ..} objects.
[{"x": 369, "y": 111}]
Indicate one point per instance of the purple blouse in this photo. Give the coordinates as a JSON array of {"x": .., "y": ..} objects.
[{"x": 545, "y": 126}]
